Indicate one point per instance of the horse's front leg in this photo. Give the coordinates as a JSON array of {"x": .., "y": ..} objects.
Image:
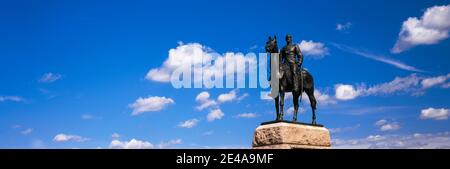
[
  {"x": 281, "y": 105},
  {"x": 277, "y": 99},
  {"x": 314, "y": 117}
]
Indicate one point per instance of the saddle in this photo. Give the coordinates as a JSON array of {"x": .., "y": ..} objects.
[{"x": 285, "y": 70}]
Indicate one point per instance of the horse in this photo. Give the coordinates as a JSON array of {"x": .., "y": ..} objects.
[{"x": 286, "y": 85}]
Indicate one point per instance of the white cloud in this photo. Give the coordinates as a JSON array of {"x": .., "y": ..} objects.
[
  {"x": 385, "y": 125},
  {"x": 447, "y": 85},
  {"x": 435, "y": 114},
  {"x": 345, "y": 92},
  {"x": 205, "y": 102},
  {"x": 412, "y": 84},
  {"x": 433, "y": 81},
  {"x": 50, "y": 77},
  {"x": 198, "y": 55},
  {"x": 87, "y": 117},
  {"x": 265, "y": 96},
  {"x": 375, "y": 138},
  {"x": 381, "y": 122},
  {"x": 314, "y": 49},
  {"x": 182, "y": 55},
  {"x": 408, "y": 84},
  {"x": 253, "y": 47},
  {"x": 227, "y": 97},
  {"x": 411, "y": 141},
  {"x": 247, "y": 115},
  {"x": 215, "y": 114},
  {"x": 322, "y": 98},
  {"x": 69, "y": 137},
  {"x": 399, "y": 84},
  {"x": 431, "y": 28},
  {"x": 150, "y": 104},
  {"x": 366, "y": 110},
  {"x": 26, "y": 131},
  {"x": 342, "y": 27},
  {"x": 390, "y": 127},
  {"x": 379, "y": 58},
  {"x": 159, "y": 75},
  {"x": 132, "y": 144},
  {"x": 169, "y": 143},
  {"x": 344, "y": 129},
  {"x": 188, "y": 123},
  {"x": 203, "y": 96},
  {"x": 115, "y": 135},
  {"x": 11, "y": 98},
  {"x": 242, "y": 97}
]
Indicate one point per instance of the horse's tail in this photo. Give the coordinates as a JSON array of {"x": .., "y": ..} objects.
[
  {"x": 309, "y": 88},
  {"x": 308, "y": 80}
]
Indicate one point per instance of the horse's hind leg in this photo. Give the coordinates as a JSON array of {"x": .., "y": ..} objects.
[
  {"x": 281, "y": 105},
  {"x": 277, "y": 99},
  {"x": 295, "y": 96},
  {"x": 312, "y": 100}
]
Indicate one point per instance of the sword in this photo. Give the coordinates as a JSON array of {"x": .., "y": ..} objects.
[{"x": 301, "y": 79}]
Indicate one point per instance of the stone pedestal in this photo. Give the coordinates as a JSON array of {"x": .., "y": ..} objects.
[{"x": 289, "y": 135}]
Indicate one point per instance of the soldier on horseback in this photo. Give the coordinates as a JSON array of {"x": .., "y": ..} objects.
[
  {"x": 292, "y": 77},
  {"x": 291, "y": 55}
]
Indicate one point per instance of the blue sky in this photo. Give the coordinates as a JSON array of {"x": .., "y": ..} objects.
[{"x": 71, "y": 70}]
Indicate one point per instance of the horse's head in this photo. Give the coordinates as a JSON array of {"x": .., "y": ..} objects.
[{"x": 271, "y": 45}]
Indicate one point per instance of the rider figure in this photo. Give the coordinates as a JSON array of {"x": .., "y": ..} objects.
[{"x": 292, "y": 55}]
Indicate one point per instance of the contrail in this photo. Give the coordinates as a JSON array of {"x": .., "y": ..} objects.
[{"x": 379, "y": 58}]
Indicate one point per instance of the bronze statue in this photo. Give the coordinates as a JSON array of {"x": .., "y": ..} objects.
[{"x": 293, "y": 78}]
